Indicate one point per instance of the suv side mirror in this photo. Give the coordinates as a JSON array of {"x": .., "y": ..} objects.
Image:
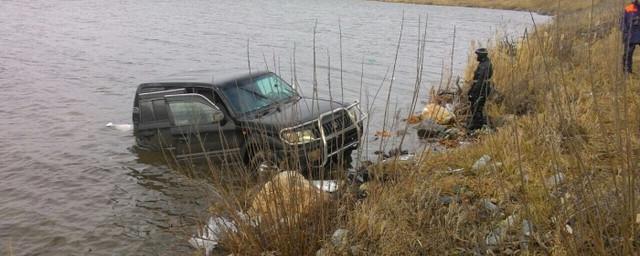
[{"x": 218, "y": 116}]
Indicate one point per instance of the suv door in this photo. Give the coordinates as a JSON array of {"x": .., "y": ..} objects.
[
  {"x": 196, "y": 126},
  {"x": 152, "y": 120}
]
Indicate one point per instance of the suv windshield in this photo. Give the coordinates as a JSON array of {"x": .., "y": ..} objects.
[{"x": 257, "y": 93}]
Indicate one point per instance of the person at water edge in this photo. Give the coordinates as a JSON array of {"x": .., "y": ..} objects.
[
  {"x": 630, "y": 33},
  {"x": 480, "y": 89}
]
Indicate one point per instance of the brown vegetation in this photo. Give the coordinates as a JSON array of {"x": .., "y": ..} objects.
[
  {"x": 562, "y": 176},
  {"x": 576, "y": 123}
]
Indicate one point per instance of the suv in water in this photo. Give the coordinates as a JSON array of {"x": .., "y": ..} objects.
[{"x": 256, "y": 119}]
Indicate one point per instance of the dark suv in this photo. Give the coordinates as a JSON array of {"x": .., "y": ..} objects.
[{"x": 256, "y": 119}]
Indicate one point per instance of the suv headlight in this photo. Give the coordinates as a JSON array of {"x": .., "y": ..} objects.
[{"x": 301, "y": 136}]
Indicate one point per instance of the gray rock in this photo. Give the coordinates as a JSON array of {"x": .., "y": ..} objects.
[
  {"x": 500, "y": 232},
  {"x": 493, "y": 238},
  {"x": 509, "y": 221},
  {"x": 481, "y": 163},
  {"x": 489, "y": 206},
  {"x": 527, "y": 227},
  {"x": 568, "y": 228},
  {"x": 429, "y": 129},
  {"x": 447, "y": 200},
  {"x": 339, "y": 237},
  {"x": 356, "y": 250}
]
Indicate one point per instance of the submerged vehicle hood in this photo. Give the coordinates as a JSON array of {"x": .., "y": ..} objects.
[{"x": 291, "y": 113}]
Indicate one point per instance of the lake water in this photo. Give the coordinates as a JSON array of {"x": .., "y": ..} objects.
[{"x": 71, "y": 186}]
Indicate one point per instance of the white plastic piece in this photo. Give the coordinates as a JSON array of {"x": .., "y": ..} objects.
[
  {"x": 326, "y": 185},
  {"x": 120, "y": 127}
]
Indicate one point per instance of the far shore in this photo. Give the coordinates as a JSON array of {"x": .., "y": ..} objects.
[{"x": 544, "y": 7}]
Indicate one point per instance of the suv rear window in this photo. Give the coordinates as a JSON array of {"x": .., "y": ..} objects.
[
  {"x": 146, "y": 112},
  {"x": 160, "y": 110}
]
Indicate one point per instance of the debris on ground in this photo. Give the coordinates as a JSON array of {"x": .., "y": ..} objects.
[
  {"x": 454, "y": 171},
  {"x": 326, "y": 185},
  {"x": 208, "y": 238},
  {"x": 383, "y": 134}
]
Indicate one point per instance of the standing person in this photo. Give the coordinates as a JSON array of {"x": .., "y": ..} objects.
[
  {"x": 630, "y": 33},
  {"x": 480, "y": 89}
]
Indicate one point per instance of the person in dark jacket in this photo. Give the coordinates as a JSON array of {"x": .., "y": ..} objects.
[
  {"x": 630, "y": 33},
  {"x": 480, "y": 89}
]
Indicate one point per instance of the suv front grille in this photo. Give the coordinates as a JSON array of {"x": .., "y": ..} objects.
[
  {"x": 336, "y": 122},
  {"x": 340, "y": 141}
]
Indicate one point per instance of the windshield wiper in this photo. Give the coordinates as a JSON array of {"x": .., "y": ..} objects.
[{"x": 255, "y": 93}]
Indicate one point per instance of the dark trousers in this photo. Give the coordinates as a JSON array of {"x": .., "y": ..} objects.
[
  {"x": 477, "y": 119},
  {"x": 627, "y": 59}
]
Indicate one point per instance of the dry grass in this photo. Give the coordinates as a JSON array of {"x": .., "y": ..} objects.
[
  {"x": 564, "y": 108},
  {"x": 576, "y": 118}
]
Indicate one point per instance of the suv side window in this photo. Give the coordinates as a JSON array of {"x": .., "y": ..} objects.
[
  {"x": 192, "y": 113},
  {"x": 160, "y": 110}
]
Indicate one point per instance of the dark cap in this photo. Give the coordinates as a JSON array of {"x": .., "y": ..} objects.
[{"x": 482, "y": 51}]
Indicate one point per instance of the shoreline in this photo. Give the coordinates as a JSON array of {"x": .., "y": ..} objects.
[
  {"x": 549, "y": 10},
  {"x": 468, "y": 5},
  {"x": 507, "y": 174},
  {"x": 559, "y": 148}
]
